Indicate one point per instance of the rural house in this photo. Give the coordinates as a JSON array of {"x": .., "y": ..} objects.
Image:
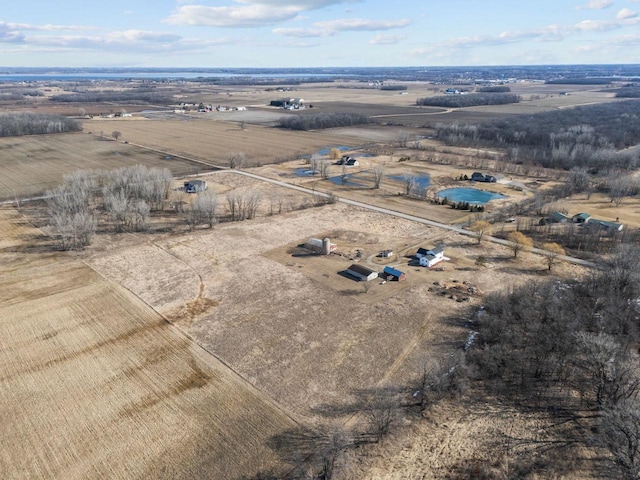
[
  {"x": 195, "y": 186},
  {"x": 362, "y": 273},
  {"x": 481, "y": 177},
  {"x": 428, "y": 258},
  {"x": 394, "y": 274}
]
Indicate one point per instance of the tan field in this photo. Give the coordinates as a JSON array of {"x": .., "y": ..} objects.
[
  {"x": 185, "y": 354},
  {"x": 213, "y": 141},
  {"x": 31, "y": 165},
  {"x": 96, "y": 384}
]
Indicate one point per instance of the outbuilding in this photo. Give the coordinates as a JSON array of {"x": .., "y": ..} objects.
[
  {"x": 362, "y": 273},
  {"x": 195, "y": 186},
  {"x": 394, "y": 274}
]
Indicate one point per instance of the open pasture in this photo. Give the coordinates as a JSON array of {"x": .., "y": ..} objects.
[
  {"x": 95, "y": 384},
  {"x": 31, "y": 165},
  {"x": 293, "y": 326}
]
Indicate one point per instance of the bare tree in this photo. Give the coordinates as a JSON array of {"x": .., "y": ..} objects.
[
  {"x": 253, "y": 201},
  {"x": 116, "y": 135},
  {"x": 205, "y": 206},
  {"x": 518, "y": 242},
  {"x": 607, "y": 369},
  {"x": 410, "y": 183},
  {"x": 552, "y": 252},
  {"x": 237, "y": 160},
  {"x": 480, "y": 227},
  {"x": 335, "y": 153},
  {"x": 314, "y": 164},
  {"x": 378, "y": 174},
  {"x": 323, "y": 167},
  {"x": 329, "y": 448},
  {"x": 403, "y": 138},
  {"x": 381, "y": 411},
  {"x": 620, "y": 435}
]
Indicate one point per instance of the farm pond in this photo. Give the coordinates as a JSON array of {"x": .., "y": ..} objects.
[{"x": 471, "y": 195}]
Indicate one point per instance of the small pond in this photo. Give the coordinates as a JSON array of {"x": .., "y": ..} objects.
[
  {"x": 423, "y": 181},
  {"x": 348, "y": 182},
  {"x": 471, "y": 195},
  {"x": 305, "y": 172}
]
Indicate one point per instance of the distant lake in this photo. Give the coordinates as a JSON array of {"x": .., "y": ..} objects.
[
  {"x": 153, "y": 75},
  {"x": 471, "y": 195}
]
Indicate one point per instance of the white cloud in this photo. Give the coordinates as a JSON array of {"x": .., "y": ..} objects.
[
  {"x": 302, "y": 32},
  {"x": 247, "y": 13},
  {"x": 625, "y": 14},
  {"x": 245, "y": 16},
  {"x": 595, "y": 5},
  {"x": 331, "y": 27},
  {"x": 386, "y": 39},
  {"x": 359, "y": 24}
]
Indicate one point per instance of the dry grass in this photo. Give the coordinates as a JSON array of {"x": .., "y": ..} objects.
[
  {"x": 210, "y": 140},
  {"x": 95, "y": 384},
  {"x": 30, "y": 165},
  {"x": 294, "y": 326}
]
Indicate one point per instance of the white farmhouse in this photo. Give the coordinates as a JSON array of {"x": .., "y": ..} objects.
[{"x": 428, "y": 258}]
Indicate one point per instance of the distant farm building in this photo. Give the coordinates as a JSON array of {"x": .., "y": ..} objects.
[
  {"x": 429, "y": 258},
  {"x": 195, "y": 186},
  {"x": 608, "y": 227},
  {"x": 348, "y": 160},
  {"x": 323, "y": 246},
  {"x": 392, "y": 274},
  {"x": 581, "y": 218},
  {"x": 386, "y": 253},
  {"x": 362, "y": 273},
  {"x": 558, "y": 217},
  {"x": 481, "y": 177}
]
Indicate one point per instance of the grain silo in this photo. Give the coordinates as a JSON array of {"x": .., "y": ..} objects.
[{"x": 326, "y": 246}]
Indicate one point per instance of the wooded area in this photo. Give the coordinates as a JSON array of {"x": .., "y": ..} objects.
[
  {"x": 587, "y": 136},
  {"x": 17, "y": 124}
]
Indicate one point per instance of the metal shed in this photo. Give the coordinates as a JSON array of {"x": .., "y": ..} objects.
[{"x": 362, "y": 273}]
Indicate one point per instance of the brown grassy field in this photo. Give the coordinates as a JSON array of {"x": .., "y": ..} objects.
[
  {"x": 96, "y": 384},
  {"x": 213, "y": 141},
  {"x": 30, "y": 165},
  {"x": 293, "y": 325}
]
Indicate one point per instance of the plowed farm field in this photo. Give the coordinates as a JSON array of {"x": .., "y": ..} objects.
[
  {"x": 96, "y": 384},
  {"x": 213, "y": 141},
  {"x": 32, "y": 164}
]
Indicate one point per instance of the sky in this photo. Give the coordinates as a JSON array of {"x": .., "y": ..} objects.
[{"x": 316, "y": 33}]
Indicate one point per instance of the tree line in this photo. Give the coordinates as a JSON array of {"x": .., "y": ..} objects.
[
  {"x": 131, "y": 96},
  {"x": 18, "y": 124},
  {"x": 592, "y": 140},
  {"x": 319, "y": 121},
  {"x": 468, "y": 100},
  {"x": 570, "y": 349}
]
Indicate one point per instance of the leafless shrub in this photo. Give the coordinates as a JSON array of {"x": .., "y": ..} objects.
[
  {"x": 243, "y": 204},
  {"x": 378, "y": 174},
  {"x": 237, "y": 160},
  {"x": 205, "y": 206},
  {"x": 410, "y": 182}
]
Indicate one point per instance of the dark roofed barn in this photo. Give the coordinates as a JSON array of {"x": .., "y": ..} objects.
[{"x": 362, "y": 273}]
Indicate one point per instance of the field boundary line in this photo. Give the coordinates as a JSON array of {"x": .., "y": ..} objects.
[{"x": 203, "y": 349}]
